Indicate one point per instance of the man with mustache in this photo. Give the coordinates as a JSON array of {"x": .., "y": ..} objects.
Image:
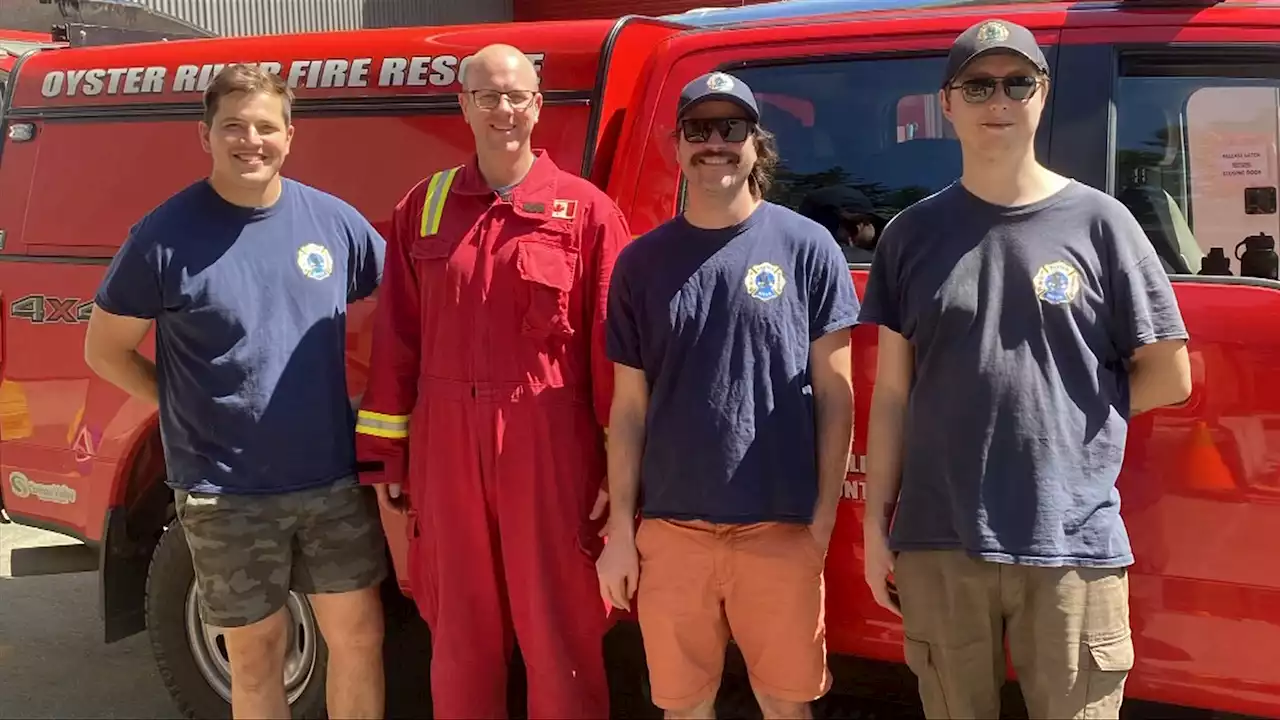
[
  {"x": 488, "y": 396},
  {"x": 732, "y": 409}
]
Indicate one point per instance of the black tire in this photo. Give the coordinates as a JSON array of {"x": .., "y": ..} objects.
[{"x": 169, "y": 582}]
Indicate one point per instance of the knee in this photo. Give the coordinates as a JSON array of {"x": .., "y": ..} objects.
[
  {"x": 257, "y": 660},
  {"x": 771, "y": 707},
  {"x": 702, "y": 711},
  {"x": 360, "y": 633}
]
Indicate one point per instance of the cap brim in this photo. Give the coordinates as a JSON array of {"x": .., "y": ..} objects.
[
  {"x": 724, "y": 97},
  {"x": 995, "y": 50}
]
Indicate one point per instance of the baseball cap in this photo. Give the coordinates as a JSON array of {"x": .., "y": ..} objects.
[
  {"x": 994, "y": 35},
  {"x": 718, "y": 86}
]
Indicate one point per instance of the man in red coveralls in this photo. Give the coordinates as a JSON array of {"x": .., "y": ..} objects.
[{"x": 488, "y": 395}]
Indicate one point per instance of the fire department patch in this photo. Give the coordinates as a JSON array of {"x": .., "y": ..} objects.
[
  {"x": 564, "y": 209},
  {"x": 315, "y": 261},
  {"x": 1057, "y": 283},
  {"x": 719, "y": 82},
  {"x": 992, "y": 32},
  {"x": 765, "y": 281}
]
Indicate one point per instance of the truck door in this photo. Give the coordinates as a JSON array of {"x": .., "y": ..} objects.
[
  {"x": 1192, "y": 152},
  {"x": 855, "y": 113}
]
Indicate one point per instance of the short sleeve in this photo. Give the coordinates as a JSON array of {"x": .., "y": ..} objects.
[
  {"x": 881, "y": 301},
  {"x": 622, "y": 332},
  {"x": 1144, "y": 308},
  {"x": 833, "y": 300},
  {"x": 132, "y": 284},
  {"x": 368, "y": 256}
]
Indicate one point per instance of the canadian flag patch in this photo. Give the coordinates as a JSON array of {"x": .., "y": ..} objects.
[{"x": 564, "y": 209}]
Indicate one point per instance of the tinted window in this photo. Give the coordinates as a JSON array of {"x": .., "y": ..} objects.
[
  {"x": 873, "y": 127},
  {"x": 1196, "y": 159}
]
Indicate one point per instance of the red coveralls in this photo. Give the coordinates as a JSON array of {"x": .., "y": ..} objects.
[{"x": 488, "y": 371}]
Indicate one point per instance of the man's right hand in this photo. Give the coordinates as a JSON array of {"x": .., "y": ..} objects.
[
  {"x": 618, "y": 570},
  {"x": 879, "y": 564},
  {"x": 390, "y": 499}
]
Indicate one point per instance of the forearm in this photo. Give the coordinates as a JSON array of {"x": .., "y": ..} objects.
[
  {"x": 131, "y": 372},
  {"x": 835, "y": 435},
  {"x": 884, "y": 457},
  {"x": 625, "y": 448}
]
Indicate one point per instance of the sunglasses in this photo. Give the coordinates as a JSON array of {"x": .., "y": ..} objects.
[
  {"x": 733, "y": 130},
  {"x": 980, "y": 90}
]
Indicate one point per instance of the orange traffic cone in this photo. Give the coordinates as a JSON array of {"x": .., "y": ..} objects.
[{"x": 1204, "y": 468}]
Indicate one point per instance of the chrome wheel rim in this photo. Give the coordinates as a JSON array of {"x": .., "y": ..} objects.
[{"x": 209, "y": 648}]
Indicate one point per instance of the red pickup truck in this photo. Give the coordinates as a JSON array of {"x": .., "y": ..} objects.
[{"x": 1173, "y": 107}]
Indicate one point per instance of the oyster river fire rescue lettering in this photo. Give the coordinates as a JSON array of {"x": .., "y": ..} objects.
[{"x": 413, "y": 71}]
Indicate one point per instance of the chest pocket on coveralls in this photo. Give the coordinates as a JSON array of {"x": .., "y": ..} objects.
[{"x": 547, "y": 261}]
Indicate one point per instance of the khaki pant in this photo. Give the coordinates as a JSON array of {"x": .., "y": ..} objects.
[{"x": 1068, "y": 633}]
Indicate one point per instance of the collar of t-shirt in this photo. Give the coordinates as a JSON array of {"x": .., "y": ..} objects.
[{"x": 504, "y": 192}]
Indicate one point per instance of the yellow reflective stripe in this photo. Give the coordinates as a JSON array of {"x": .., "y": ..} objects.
[
  {"x": 383, "y": 417},
  {"x": 433, "y": 203},
  {"x": 381, "y": 425},
  {"x": 379, "y": 432}
]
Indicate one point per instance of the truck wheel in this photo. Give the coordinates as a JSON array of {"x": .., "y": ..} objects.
[{"x": 192, "y": 657}]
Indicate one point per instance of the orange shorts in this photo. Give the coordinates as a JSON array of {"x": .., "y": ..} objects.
[{"x": 701, "y": 583}]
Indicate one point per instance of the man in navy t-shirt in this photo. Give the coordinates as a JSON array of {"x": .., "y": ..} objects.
[
  {"x": 732, "y": 411},
  {"x": 246, "y": 277},
  {"x": 1024, "y": 318}
]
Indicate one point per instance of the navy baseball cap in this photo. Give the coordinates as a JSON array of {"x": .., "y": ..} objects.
[
  {"x": 992, "y": 36},
  {"x": 718, "y": 86}
]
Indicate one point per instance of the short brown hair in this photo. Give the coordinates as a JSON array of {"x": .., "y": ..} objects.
[{"x": 245, "y": 78}]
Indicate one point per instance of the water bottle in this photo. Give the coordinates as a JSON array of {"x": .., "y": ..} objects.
[
  {"x": 1259, "y": 258},
  {"x": 1215, "y": 263}
]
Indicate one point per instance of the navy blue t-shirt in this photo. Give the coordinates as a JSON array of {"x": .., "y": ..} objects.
[
  {"x": 1022, "y": 320},
  {"x": 250, "y": 309},
  {"x": 721, "y": 322}
]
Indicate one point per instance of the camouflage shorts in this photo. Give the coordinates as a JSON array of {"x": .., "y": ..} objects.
[{"x": 250, "y": 550}]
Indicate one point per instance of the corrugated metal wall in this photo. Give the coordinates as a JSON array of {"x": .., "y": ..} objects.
[
  {"x": 259, "y": 17},
  {"x": 568, "y": 9}
]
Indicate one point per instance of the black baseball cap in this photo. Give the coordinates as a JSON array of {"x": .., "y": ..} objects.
[
  {"x": 991, "y": 36},
  {"x": 718, "y": 86}
]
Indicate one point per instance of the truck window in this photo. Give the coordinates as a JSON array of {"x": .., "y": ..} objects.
[
  {"x": 873, "y": 126},
  {"x": 1196, "y": 158}
]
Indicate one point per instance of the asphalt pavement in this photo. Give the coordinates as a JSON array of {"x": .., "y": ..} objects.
[{"x": 53, "y": 662}]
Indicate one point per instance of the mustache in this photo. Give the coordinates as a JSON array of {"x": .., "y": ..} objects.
[{"x": 730, "y": 156}]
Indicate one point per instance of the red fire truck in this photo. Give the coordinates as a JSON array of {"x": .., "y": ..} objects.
[{"x": 1169, "y": 105}]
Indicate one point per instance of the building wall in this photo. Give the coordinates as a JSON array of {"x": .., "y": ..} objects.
[
  {"x": 261, "y": 17},
  {"x": 569, "y": 9}
]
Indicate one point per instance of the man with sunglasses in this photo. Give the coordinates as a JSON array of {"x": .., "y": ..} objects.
[
  {"x": 1024, "y": 319},
  {"x": 487, "y": 397},
  {"x": 732, "y": 409}
]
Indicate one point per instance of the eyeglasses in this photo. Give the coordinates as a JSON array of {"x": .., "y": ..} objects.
[
  {"x": 733, "y": 130},
  {"x": 979, "y": 90},
  {"x": 490, "y": 99}
]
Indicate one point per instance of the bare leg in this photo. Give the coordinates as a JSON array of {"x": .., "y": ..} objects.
[
  {"x": 774, "y": 709},
  {"x": 257, "y": 668},
  {"x": 352, "y": 625},
  {"x": 705, "y": 711}
]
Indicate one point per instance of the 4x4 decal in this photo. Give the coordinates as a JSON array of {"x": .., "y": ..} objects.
[{"x": 42, "y": 309}]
